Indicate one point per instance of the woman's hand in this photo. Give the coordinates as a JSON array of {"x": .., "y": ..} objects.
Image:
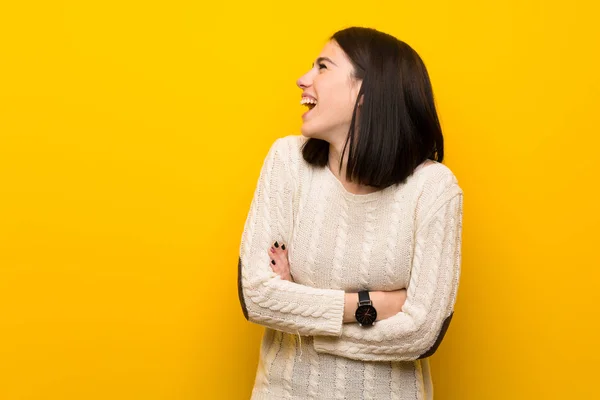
[
  {"x": 388, "y": 304},
  {"x": 279, "y": 261}
]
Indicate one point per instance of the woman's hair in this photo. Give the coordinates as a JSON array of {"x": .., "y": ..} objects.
[{"x": 398, "y": 127}]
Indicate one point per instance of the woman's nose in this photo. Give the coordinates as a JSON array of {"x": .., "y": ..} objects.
[
  {"x": 303, "y": 82},
  {"x": 300, "y": 83}
]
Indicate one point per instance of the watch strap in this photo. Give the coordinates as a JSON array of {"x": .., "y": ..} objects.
[{"x": 363, "y": 296}]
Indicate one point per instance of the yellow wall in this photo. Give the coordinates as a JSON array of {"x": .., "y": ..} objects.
[{"x": 131, "y": 136}]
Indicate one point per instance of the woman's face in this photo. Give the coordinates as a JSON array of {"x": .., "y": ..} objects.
[{"x": 330, "y": 82}]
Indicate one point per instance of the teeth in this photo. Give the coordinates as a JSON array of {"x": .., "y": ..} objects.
[{"x": 307, "y": 100}]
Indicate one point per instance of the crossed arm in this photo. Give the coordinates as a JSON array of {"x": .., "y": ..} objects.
[{"x": 387, "y": 304}]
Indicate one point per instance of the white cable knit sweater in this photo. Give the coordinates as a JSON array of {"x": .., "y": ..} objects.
[{"x": 405, "y": 236}]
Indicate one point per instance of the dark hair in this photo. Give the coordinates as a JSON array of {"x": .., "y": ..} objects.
[{"x": 398, "y": 127}]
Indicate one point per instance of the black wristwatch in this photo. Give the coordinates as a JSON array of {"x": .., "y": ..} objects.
[{"x": 365, "y": 313}]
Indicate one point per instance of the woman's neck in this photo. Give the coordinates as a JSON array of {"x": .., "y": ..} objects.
[{"x": 335, "y": 151}]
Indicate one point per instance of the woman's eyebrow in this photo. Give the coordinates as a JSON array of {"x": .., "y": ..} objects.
[{"x": 324, "y": 59}]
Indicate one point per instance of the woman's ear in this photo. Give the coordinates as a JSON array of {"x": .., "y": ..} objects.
[{"x": 360, "y": 101}]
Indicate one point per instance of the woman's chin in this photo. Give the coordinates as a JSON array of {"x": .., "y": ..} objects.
[
  {"x": 305, "y": 132},
  {"x": 309, "y": 130}
]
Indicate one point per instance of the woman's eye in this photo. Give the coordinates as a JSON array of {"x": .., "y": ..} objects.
[{"x": 322, "y": 66}]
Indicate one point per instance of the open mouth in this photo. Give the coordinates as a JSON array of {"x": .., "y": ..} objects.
[{"x": 310, "y": 103}]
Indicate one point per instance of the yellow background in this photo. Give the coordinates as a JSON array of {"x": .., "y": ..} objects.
[{"x": 131, "y": 137}]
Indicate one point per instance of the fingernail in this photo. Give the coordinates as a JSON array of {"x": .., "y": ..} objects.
[
  {"x": 273, "y": 262},
  {"x": 272, "y": 250},
  {"x": 283, "y": 247},
  {"x": 276, "y": 245}
]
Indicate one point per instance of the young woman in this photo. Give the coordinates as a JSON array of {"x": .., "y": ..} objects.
[{"x": 350, "y": 255}]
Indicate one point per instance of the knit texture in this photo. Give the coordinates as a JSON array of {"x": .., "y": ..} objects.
[{"x": 405, "y": 236}]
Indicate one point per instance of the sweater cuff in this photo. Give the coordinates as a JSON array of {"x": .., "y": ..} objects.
[{"x": 336, "y": 320}]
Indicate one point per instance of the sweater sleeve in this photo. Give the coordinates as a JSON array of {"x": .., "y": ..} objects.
[
  {"x": 265, "y": 298},
  {"x": 417, "y": 331}
]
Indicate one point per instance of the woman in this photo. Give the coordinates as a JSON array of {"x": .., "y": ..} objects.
[{"x": 360, "y": 202}]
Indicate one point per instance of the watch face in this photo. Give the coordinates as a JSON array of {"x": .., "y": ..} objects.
[{"x": 366, "y": 315}]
